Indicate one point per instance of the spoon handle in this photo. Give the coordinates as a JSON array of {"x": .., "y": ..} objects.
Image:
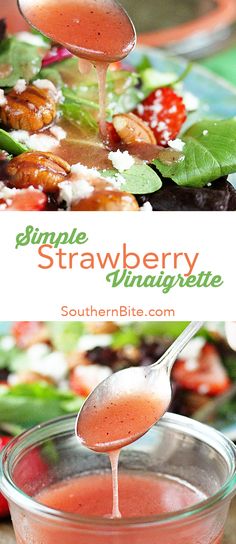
[{"x": 173, "y": 351}]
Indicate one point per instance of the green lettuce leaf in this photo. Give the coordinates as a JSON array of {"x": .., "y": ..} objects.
[
  {"x": 139, "y": 179},
  {"x": 30, "y": 404},
  {"x": 209, "y": 153},
  {"x": 7, "y": 143},
  {"x": 24, "y": 59}
]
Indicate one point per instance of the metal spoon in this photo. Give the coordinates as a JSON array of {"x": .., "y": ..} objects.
[
  {"x": 99, "y": 31},
  {"x": 142, "y": 385}
]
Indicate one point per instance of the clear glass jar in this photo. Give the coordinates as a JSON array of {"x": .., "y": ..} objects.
[{"x": 177, "y": 446}]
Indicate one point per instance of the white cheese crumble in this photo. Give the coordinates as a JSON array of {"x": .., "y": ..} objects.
[
  {"x": 47, "y": 85},
  {"x": 205, "y": 132},
  {"x": 72, "y": 191},
  {"x": 32, "y": 39},
  {"x": 6, "y": 192},
  {"x": 83, "y": 172},
  {"x": 177, "y": 145},
  {"x": 193, "y": 348},
  {"x": 116, "y": 181},
  {"x": 3, "y": 99},
  {"x": 20, "y": 86},
  {"x": 147, "y": 207},
  {"x": 90, "y": 376},
  {"x": 121, "y": 160},
  {"x": 58, "y": 132},
  {"x": 40, "y": 359},
  {"x": 36, "y": 142},
  {"x": 191, "y": 101}
]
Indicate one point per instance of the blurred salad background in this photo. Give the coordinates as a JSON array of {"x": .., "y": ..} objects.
[{"x": 47, "y": 369}]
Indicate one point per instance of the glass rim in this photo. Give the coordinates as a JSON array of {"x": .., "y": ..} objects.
[{"x": 177, "y": 422}]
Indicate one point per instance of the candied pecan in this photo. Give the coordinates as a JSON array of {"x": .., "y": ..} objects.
[
  {"x": 30, "y": 110},
  {"x": 37, "y": 169},
  {"x": 106, "y": 201},
  {"x": 132, "y": 129}
]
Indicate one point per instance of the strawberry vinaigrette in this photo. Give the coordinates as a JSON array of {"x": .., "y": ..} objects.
[
  {"x": 141, "y": 494},
  {"x": 107, "y": 428},
  {"x": 100, "y": 32}
]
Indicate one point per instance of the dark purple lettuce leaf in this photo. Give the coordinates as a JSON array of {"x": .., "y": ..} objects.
[{"x": 219, "y": 196}]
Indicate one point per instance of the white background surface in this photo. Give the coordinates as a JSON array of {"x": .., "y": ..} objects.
[{"x": 30, "y": 293}]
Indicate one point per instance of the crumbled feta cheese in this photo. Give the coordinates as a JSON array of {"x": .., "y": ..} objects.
[
  {"x": 58, "y": 132},
  {"x": 37, "y": 142},
  {"x": 53, "y": 365},
  {"x": 6, "y": 192},
  {"x": 71, "y": 191},
  {"x": 191, "y": 101},
  {"x": 40, "y": 359},
  {"x": 32, "y": 39},
  {"x": 177, "y": 145},
  {"x": 20, "y": 86},
  {"x": 147, "y": 207},
  {"x": 193, "y": 348},
  {"x": 91, "y": 341},
  {"x": 3, "y": 99},
  {"x": 80, "y": 171},
  {"x": 47, "y": 85},
  {"x": 205, "y": 132},
  {"x": 121, "y": 160},
  {"x": 117, "y": 180},
  {"x": 89, "y": 376}
]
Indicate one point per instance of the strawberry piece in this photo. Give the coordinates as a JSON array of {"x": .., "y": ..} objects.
[
  {"x": 27, "y": 333},
  {"x": 4, "y": 508},
  {"x": 27, "y": 201},
  {"x": 164, "y": 111},
  {"x": 208, "y": 378},
  {"x": 84, "y": 378},
  {"x": 112, "y": 138}
]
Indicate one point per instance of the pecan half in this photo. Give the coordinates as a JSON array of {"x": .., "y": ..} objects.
[
  {"x": 38, "y": 170},
  {"x": 132, "y": 129},
  {"x": 30, "y": 110},
  {"x": 107, "y": 201}
]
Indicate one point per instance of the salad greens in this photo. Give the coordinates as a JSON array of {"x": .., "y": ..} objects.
[
  {"x": 18, "y": 60},
  {"x": 31, "y": 404},
  {"x": 65, "y": 336},
  {"x": 9, "y": 144},
  {"x": 209, "y": 153},
  {"x": 139, "y": 179}
]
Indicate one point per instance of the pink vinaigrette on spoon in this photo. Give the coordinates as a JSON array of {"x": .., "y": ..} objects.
[
  {"x": 126, "y": 405},
  {"x": 98, "y": 31}
]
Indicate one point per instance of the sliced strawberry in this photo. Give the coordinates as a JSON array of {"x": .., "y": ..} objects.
[
  {"x": 113, "y": 138},
  {"x": 4, "y": 509},
  {"x": 206, "y": 376},
  {"x": 84, "y": 378},
  {"x": 27, "y": 200},
  {"x": 27, "y": 333},
  {"x": 164, "y": 111}
]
